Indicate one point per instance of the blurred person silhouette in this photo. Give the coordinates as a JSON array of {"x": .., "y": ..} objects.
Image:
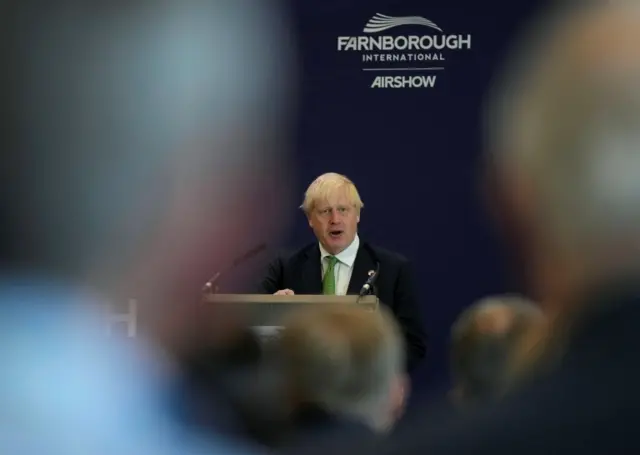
[
  {"x": 564, "y": 150},
  {"x": 139, "y": 140},
  {"x": 343, "y": 371},
  {"x": 484, "y": 341}
]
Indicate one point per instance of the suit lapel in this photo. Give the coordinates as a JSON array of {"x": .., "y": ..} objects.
[
  {"x": 311, "y": 272},
  {"x": 361, "y": 267}
]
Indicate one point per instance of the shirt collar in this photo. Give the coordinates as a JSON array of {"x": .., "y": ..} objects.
[{"x": 347, "y": 256}]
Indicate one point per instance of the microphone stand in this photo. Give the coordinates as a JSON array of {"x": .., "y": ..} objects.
[
  {"x": 370, "y": 285},
  {"x": 210, "y": 287}
]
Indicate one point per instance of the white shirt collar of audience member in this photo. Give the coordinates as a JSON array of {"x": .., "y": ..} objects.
[{"x": 346, "y": 256}]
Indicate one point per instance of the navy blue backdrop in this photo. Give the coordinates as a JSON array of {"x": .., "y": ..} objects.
[{"x": 412, "y": 152}]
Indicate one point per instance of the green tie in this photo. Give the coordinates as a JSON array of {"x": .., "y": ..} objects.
[{"x": 329, "y": 280}]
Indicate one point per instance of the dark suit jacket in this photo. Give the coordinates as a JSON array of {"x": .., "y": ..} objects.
[
  {"x": 313, "y": 427},
  {"x": 302, "y": 273},
  {"x": 589, "y": 405}
]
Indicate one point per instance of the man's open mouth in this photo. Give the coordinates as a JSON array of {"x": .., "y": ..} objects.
[{"x": 335, "y": 233}]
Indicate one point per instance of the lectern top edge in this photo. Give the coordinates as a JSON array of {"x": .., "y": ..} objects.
[{"x": 298, "y": 299}]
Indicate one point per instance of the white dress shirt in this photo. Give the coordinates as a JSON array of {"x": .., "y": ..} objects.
[{"x": 344, "y": 266}]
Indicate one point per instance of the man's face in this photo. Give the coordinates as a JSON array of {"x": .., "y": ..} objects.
[{"x": 334, "y": 222}]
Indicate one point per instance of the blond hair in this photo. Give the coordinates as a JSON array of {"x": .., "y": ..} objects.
[
  {"x": 343, "y": 359},
  {"x": 327, "y": 185}
]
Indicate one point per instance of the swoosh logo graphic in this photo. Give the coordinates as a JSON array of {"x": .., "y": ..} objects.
[{"x": 382, "y": 22}]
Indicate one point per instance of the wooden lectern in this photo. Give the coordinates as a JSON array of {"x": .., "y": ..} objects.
[{"x": 268, "y": 310}]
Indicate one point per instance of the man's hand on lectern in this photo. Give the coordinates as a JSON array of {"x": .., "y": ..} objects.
[{"x": 284, "y": 292}]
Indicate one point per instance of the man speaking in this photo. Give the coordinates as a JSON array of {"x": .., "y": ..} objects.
[{"x": 340, "y": 263}]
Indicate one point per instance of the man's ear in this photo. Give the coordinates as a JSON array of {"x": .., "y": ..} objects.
[{"x": 399, "y": 395}]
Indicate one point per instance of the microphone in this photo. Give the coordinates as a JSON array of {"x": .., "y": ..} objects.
[
  {"x": 209, "y": 285},
  {"x": 368, "y": 285}
]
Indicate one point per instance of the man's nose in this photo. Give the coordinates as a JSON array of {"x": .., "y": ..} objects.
[{"x": 335, "y": 219}]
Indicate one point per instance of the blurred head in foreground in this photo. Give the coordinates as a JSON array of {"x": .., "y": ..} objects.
[
  {"x": 141, "y": 140},
  {"x": 484, "y": 340},
  {"x": 564, "y": 143},
  {"x": 347, "y": 362}
]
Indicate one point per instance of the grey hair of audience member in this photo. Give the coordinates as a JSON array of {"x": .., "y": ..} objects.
[
  {"x": 112, "y": 110},
  {"x": 345, "y": 360},
  {"x": 483, "y": 340}
]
